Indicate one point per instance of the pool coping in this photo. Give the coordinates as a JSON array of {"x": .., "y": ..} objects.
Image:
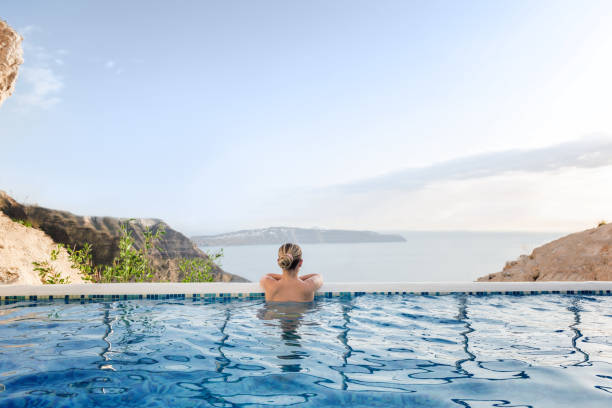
[{"x": 220, "y": 290}]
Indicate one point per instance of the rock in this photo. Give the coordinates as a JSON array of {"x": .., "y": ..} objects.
[
  {"x": 20, "y": 246},
  {"x": 103, "y": 233},
  {"x": 582, "y": 256},
  {"x": 8, "y": 275},
  {"x": 10, "y": 59}
]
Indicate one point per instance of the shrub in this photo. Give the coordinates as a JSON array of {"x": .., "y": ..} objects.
[
  {"x": 199, "y": 269},
  {"x": 82, "y": 260},
  {"x": 48, "y": 274},
  {"x": 601, "y": 223},
  {"x": 131, "y": 265}
]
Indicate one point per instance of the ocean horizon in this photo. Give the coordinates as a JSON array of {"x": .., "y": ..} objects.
[{"x": 425, "y": 256}]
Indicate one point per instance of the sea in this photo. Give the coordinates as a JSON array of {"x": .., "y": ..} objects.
[{"x": 424, "y": 257}]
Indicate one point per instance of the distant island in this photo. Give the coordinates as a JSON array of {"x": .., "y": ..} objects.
[{"x": 280, "y": 235}]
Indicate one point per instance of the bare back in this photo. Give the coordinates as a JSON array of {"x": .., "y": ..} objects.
[{"x": 287, "y": 288}]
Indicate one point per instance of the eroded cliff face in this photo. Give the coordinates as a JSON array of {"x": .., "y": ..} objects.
[
  {"x": 20, "y": 246},
  {"x": 583, "y": 256},
  {"x": 10, "y": 59},
  {"x": 103, "y": 233}
]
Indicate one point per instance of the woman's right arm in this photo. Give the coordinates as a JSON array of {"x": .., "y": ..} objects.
[{"x": 313, "y": 280}]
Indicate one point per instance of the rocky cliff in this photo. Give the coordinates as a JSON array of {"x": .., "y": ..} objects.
[
  {"x": 20, "y": 246},
  {"x": 281, "y": 235},
  {"x": 103, "y": 233},
  {"x": 583, "y": 256},
  {"x": 10, "y": 59}
]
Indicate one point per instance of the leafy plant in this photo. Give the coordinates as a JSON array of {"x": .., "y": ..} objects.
[
  {"x": 199, "y": 269},
  {"x": 130, "y": 265},
  {"x": 82, "y": 260},
  {"x": 48, "y": 275}
]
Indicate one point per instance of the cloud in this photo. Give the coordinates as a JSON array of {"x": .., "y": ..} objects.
[
  {"x": 39, "y": 85},
  {"x": 112, "y": 65},
  {"x": 583, "y": 153},
  {"x": 43, "y": 86},
  {"x": 29, "y": 29}
]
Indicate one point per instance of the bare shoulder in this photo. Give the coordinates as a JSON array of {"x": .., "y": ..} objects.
[
  {"x": 312, "y": 282},
  {"x": 269, "y": 280}
]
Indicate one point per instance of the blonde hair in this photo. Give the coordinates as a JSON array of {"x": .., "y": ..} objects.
[{"x": 289, "y": 256}]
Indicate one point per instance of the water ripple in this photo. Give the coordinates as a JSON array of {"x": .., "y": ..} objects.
[{"x": 443, "y": 351}]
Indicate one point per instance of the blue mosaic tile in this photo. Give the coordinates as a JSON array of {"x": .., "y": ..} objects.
[{"x": 225, "y": 297}]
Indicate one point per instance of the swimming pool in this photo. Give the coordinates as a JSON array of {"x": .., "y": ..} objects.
[{"x": 452, "y": 350}]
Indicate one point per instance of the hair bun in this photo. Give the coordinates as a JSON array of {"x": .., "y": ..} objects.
[{"x": 285, "y": 260}]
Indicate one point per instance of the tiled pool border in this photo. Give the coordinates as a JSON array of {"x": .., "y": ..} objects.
[{"x": 249, "y": 291}]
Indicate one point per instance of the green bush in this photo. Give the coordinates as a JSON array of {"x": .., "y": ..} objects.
[
  {"x": 199, "y": 269},
  {"x": 131, "y": 265},
  {"x": 82, "y": 260},
  {"x": 48, "y": 274}
]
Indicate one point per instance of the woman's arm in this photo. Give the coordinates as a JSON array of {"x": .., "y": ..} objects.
[
  {"x": 269, "y": 279},
  {"x": 314, "y": 281}
]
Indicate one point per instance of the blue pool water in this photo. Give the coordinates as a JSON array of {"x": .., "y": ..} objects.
[{"x": 367, "y": 351}]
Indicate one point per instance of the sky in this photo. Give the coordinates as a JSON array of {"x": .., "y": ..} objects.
[{"x": 386, "y": 115}]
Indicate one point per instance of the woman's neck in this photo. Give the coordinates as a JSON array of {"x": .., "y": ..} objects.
[{"x": 290, "y": 274}]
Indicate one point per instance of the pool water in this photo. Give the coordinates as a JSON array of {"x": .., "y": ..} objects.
[{"x": 365, "y": 351}]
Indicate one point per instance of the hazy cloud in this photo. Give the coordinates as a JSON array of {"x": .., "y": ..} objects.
[
  {"x": 39, "y": 84},
  {"x": 583, "y": 153},
  {"x": 112, "y": 66},
  {"x": 43, "y": 86}
]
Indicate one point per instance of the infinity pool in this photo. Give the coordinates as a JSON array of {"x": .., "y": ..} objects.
[{"x": 366, "y": 351}]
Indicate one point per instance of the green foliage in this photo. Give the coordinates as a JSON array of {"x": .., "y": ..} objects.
[
  {"x": 131, "y": 265},
  {"x": 55, "y": 252},
  {"x": 48, "y": 275},
  {"x": 25, "y": 223},
  {"x": 199, "y": 269},
  {"x": 82, "y": 260}
]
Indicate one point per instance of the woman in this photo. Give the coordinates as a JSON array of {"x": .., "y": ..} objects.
[{"x": 289, "y": 287}]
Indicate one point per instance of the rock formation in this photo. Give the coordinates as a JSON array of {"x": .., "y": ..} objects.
[
  {"x": 20, "y": 246},
  {"x": 582, "y": 256},
  {"x": 10, "y": 59},
  {"x": 103, "y": 233}
]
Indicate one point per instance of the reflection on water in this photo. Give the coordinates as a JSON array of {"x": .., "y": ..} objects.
[
  {"x": 575, "y": 309},
  {"x": 444, "y": 351},
  {"x": 463, "y": 317},
  {"x": 289, "y": 316}
]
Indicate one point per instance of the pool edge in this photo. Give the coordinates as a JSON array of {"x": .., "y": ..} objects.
[{"x": 220, "y": 290}]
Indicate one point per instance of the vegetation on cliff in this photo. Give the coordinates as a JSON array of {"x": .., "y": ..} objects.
[
  {"x": 131, "y": 264},
  {"x": 108, "y": 250}
]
